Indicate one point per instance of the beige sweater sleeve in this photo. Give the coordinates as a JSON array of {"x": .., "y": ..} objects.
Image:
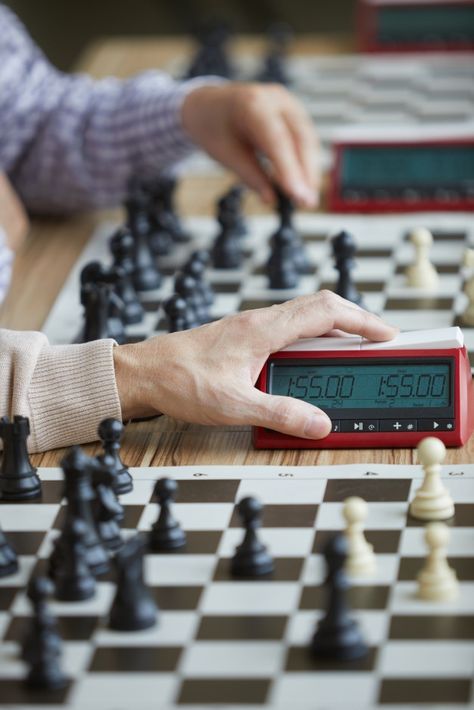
[{"x": 64, "y": 390}]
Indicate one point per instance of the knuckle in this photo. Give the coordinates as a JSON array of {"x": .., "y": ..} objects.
[{"x": 327, "y": 300}]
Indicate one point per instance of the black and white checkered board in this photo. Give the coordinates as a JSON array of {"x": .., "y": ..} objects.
[
  {"x": 383, "y": 253},
  {"x": 227, "y": 643},
  {"x": 355, "y": 90}
]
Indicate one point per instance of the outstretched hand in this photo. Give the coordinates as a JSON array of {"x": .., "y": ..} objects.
[
  {"x": 207, "y": 375},
  {"x": 237, "y": 122}
]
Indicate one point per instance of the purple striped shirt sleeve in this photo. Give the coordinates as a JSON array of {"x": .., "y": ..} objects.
[
  {"x": 6, "y": 261},
  {"x": 69, "y": 142}
]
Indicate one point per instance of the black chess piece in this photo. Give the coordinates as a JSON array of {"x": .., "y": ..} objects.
[
  {"x": 344, "y": 250},
  {"x": 133, "y": 608},
  {"x": 102, "y": 313},
  {"x": 227, "y": 252},
  {"x": 286, "y": 211},
  {"x": 196, "y": 310},
  {"x": 146, "y": 275},
  {"x": 107, "y": 510},
  {"x": 337, "y": 635},
  {"x": 121, "y": 271},
  {"x": 177, "y": 314},
  {"x": 110, "y": 433},
  {"x": 211, "y": 56},
  {"x": 166, "y": 534},
  {"x": 79, "y": 495},
  {"x": 18, "y": 478},
  {"x": 73, "y": 579},
  {"x": 162, "y": 191},
  {"x": 281, "y": 269},
  {"x": 232, "y": 203},
  {"x": 41, "y": 647},
  {"x": 103, "y": 304},
  {"x": 196, "y": 267},
  {"x": 274, "y": 66},
  {"x": 8, "y": 558},
  {"x": 251, "y": 558}
]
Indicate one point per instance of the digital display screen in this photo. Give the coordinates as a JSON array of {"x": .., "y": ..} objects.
[
  {"x": 444, "y": 23},
  {"x": 364, "y": 386},
  {"x": 402, "y": 166}
]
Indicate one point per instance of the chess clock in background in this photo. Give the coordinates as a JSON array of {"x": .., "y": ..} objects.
[
  {"x": 415, "y": 25},
  {"x": 402, "y": 174},
  {"x": 376, "y": 394}
]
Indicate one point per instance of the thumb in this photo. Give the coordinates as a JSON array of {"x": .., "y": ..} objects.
[{"x": 290, "y": 416}]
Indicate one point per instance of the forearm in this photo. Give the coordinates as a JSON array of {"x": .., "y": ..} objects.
[
  {"x": 99, "y": 136},
  {"x": 65, "y": 391},
  {"x": 69, "y": 142}
]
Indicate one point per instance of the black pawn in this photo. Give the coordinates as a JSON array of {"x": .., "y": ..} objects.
[
  {"x": 337, "y": 635},
  {"x": 227, "y": 250},
  {"x": 286, "y": 211},
  {"x": 281, "y": 268},
  {"x": 107, "y": 510},
  {"x": 251, "y": 558},
  {"x": 121, "y": 247},
  {"x": 8, "y": 558},
  {"x": 196, "y": 267},
  {"x": 344, "y": 250},
  {"x": 41, "y": 648},
  {"x": 187, "y": 287},
  {"x": 110, "y": 433},
  {"x": 79, "y": 495},
  {"x": 73, "y": 579},
  {"x": 133, "y": 608},
  {"x": 18, "y": 478},
  {"x": 177, "y": 314},
  {"x": 146, "y": 275},
  {"x": 166, "y": 534}
]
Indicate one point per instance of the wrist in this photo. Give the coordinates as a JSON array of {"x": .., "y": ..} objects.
[{"x": 129, "y": 377}]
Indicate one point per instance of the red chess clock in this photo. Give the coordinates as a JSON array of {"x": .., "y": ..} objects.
[
  {"x": 411, "y": 172},
  {"x": 415, "y": 25},
  {"x": 390, "y": 394}
]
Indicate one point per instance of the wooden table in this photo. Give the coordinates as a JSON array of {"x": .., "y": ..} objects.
[{"x": 54, "y": 245}]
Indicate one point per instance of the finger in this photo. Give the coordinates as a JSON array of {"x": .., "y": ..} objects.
[
  {"x": 306, "y": 147},
  {"x": 270, "y": 134},
  {"x": 241, "y": 158},
  {"x": 312, "y": 316},
  {"x": 290, "y": 416}
]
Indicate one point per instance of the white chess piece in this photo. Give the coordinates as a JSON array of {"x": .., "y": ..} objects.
[
  {"x": 360, "y": 558},
  {"x": 422, "y": 273},
  {"x": 468, "y": 316},
  {"x": 432, "y": 500},
  {"x": 437, "y": 580}
]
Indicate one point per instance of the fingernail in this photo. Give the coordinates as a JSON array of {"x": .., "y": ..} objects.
[{"x": 317, "y": 426}]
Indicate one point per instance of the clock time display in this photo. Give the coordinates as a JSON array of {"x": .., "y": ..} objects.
[{"x": 393, "y": 386}]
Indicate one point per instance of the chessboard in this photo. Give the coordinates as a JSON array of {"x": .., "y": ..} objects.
[
  {"x": 341, "y": 92},
  {"x": 383, "y": 253},
  {"x": 225, "y": 643}
]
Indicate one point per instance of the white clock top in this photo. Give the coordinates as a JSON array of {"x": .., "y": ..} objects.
[{"x": 434, "y": 339}]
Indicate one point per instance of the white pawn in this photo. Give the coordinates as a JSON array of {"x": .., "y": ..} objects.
[
  {"x": 432, "y": 500},
  {"x": 468, "y": 316},
  {"x": 360, "y": 555},
  {"x": 437, "y": 580},
  {"x": 422, "y": 273}
]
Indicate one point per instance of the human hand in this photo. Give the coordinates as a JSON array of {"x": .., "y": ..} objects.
[
  {"x": 235, "y": 122},
  {"x": 207, "y": 375},
  {"x": 13, "y": 219}
]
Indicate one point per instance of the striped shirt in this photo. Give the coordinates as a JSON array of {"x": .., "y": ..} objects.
[{"x": 68, "y": 142}]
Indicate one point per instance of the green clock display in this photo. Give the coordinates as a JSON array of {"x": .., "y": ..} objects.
[
  {"x": 364, "y": 386},
  {"x": 399, "y": 167},
  {"x": 425, "y": 24}
]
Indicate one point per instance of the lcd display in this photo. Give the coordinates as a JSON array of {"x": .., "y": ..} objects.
[
  {"x": 401, "y": 166},
  {"x": 364, "y": 386}
]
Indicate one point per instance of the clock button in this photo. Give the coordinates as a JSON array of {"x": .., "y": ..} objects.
[
  {"x": 336, "y": 426},
  {"x": 398, "y": 425},
  {"x": 436, "y": 425},
  {"x": 359, "y": 426}
]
